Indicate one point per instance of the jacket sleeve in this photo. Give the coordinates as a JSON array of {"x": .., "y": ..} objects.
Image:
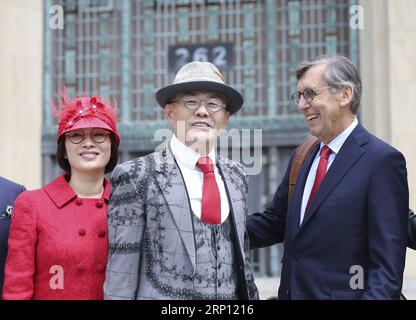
[
  {"x": 20, "y": 263},
  {"x": 268, "y": 227},
  {"x": 253, "y": 293},
  {"x": 388, "y": 212},
  {"x": 126, "y": 223}
]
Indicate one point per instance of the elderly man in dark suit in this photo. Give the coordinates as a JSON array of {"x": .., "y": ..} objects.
[
  {"x": 8, "y": 194},
  {"x": 177, "y": 216},
  {"x": 345, "y": 227}
]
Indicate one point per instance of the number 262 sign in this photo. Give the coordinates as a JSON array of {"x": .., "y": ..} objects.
[{"x": 219, "y": 54}]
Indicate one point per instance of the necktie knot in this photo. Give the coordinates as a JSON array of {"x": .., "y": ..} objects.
[
  {"x": 325, "y": 152},
  {"x": 205, "y": 164}
]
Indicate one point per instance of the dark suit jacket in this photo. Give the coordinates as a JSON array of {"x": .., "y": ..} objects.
[
  {"x": 8, "y": 193},
  {"x": 357, "y": 219}
]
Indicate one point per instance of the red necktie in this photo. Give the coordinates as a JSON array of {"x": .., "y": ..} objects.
[
  {"x": 320, "y": 171},
  {"x": 211, "y": 201}
]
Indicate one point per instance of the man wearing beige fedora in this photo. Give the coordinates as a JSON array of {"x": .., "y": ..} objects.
[{"x": 177, "y": 217}]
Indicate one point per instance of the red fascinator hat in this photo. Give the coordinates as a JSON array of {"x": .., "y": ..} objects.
[{"x": 85, "y": 112}]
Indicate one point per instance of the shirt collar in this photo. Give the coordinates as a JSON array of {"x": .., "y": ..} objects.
[
  {"x": 61, "y": 193},
  {"x": 336, "y": 144},
  {"x": 185, "y": 155}
]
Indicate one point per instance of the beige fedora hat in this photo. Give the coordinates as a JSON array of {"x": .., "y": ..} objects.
[{"x": 198, "y": 75}]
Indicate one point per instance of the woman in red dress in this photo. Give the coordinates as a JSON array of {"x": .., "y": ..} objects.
[{"x": 58, "y": 242}]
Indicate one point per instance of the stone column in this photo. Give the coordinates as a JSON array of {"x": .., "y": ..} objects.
[
  {"x": 21, "y": 32},
  {"x": 388, "y": 69}
]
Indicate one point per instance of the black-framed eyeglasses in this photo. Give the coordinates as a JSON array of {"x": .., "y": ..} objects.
[
  {"x": 308, "y": 94},
  {"x": 97, "y": 135},
  {"x": 212, "y": 105}
]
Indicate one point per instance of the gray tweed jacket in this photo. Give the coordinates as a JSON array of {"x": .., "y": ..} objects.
[{"x": 152, "y": 247}]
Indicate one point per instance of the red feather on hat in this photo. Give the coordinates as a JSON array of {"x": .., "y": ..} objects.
[{"x": 70, "y": 111}]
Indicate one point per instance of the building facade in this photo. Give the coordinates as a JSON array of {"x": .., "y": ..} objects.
[{"x": 124, "y": 50}]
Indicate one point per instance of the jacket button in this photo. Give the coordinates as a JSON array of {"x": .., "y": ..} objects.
[
  {"x": 100, "y": 268},
  {"x": 80, "y": 270},
  {"x": 296, "y": 257},
  {"x": 82, "y": 232},
  {"x": 99, "y": 203},
  {"x": 101, "y": 233},
  {"x": 78, "y": 201}
]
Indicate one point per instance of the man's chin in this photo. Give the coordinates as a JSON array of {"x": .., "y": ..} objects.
[
  {"x": 314, "y": 132},
  {"x": 202, "y": 142},
  {"x": 200, "y": 136}
]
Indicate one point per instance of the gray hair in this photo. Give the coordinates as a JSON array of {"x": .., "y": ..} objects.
[{"x": 339, "y": 72}]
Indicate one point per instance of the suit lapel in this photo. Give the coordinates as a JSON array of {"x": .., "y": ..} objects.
[
  {"x": 235, "y": 198},
  {"x": 170, "y": 181},
  {"x": 348, "y": 155},
  {"x": 296, "y": 202},
  {"x": 2, "y": 200}
]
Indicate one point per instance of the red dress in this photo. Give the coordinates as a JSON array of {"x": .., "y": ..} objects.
[{"x": 58, "y": 244}]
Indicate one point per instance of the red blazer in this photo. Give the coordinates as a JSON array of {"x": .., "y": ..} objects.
[{"x": 58, "y": 244}]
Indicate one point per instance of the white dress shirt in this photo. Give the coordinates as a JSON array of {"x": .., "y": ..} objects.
[
  {"x": 194, "y": 178},
  {"x": 335, "y": 145}
]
